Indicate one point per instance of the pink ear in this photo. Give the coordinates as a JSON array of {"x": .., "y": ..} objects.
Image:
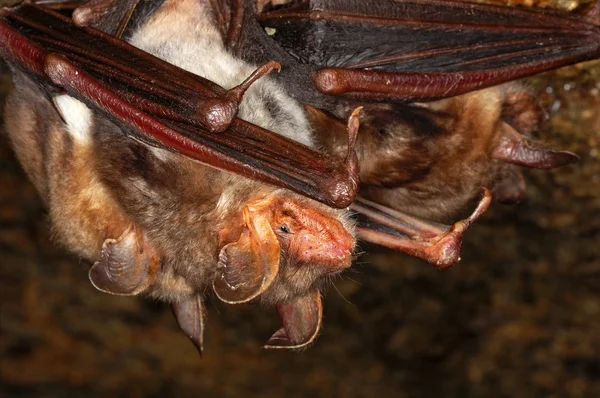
[
  {"x": 301, "y": 322},
  {"x": 126, "y": 265},
  {"x": 514, "y": 148},
  {"x": 246, "y": 268}
]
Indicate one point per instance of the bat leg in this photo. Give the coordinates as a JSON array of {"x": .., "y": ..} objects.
[
  {"x": 301, "y": 322},
  {"x": 435, "y": 243},
  {"x": 126, "y": 265},
  {"x": 190, "y": 317}
]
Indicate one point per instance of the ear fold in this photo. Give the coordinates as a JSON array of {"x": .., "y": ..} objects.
[
  {"x": 301, "y": 322},
  {"x": 246, "y": 268},
  {"x": 515, "y": 149},
  {"x": 126, "y": 265}
]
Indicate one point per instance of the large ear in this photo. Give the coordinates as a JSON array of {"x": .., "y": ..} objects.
[
  {"x": 126, "y": 266},
  {"x": 189, "y": 314},
  {"x": 248, "y": 266},
  {"x": 516, "y": 149},
  {"x": 301, "y": 322}
]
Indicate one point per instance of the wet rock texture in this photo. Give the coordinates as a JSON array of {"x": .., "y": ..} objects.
[{"x": 519, "y": 316}]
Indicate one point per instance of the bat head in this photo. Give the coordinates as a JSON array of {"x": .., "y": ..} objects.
[{"x": 287, "y": 247}]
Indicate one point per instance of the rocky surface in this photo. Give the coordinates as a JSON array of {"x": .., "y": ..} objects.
[{"x": 519, "y": 316}]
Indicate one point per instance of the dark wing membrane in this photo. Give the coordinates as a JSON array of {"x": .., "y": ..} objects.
[
  {"x": 448, "y": 42},
  {"x": 150, "y": 99}
]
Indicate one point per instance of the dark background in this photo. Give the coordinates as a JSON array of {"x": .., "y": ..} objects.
[{"x": 519, "y": 316}]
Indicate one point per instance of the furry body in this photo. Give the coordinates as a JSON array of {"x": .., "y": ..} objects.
[{"x": 96, "y": 182}]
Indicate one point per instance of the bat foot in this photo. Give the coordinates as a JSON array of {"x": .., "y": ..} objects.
[{"x": 445, "y": 250}]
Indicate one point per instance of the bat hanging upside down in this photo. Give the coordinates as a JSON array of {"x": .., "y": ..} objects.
[
  {"x": 165, "y": 225},
  {"x": 134, "y": 156}
]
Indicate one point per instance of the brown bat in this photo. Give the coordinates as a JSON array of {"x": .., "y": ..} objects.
[
  {"x": 169, "y": 227},
  {"x": 412, "y": 156},
  {"x": 163, "y": 225}
]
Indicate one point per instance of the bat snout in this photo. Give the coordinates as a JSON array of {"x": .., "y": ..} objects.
[
  {"x": 313, "y": 236},
  {"x": 330, "y": 252}
]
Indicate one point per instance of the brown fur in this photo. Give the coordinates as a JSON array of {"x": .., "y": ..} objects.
[
  {"x": 187, "y": 211},
  {"x": 433, "y": 160},
  {"x": 95, "y": 189},
  {"x": 60, "y": 169}
]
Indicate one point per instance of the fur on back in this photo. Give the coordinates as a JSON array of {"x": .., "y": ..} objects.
[{"x": 199, "y": 49}]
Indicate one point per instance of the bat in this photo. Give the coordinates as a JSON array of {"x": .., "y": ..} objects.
[
  {"x": 121, "y": 202},
  {"x": 442, "y": 49},
  {"x": 129, "y": 256}
]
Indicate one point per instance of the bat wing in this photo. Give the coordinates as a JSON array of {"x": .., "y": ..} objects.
[
  {"x": 144, "y": 96},
  {"x": 420, "y": 50},
  {"x": 163, "y": 105}
]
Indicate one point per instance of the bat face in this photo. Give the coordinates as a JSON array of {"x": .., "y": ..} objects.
[{"x": 315, "y": 245}]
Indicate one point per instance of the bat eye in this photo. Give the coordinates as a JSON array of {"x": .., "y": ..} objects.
[{"x": 284, "y": 228}]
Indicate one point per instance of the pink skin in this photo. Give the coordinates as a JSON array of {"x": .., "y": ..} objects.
[{"x": 313, "y": 237}]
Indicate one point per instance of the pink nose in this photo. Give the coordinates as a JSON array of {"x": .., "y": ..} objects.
[
  {"x": 330, "y": 248},
  {"x": 318, "y": 237}
]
